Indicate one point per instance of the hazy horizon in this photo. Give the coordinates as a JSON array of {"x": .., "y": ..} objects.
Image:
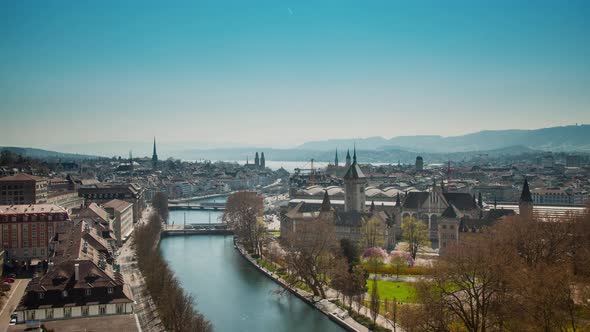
[{"x": 279, "y": 73}]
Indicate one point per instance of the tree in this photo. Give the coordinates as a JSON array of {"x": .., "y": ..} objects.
[
  {"x": 243, "y": 212},
  {"x": 350, "y": 251},
  {"x": 375, "y": 304},
  {"x": 415, "y": 233},
  {"x": 391, "y": 312},
  {"x": 310, "y": 254},
  {"x": 372, "y": 233},
  {"x": 374, "y": 257},
  {"x": 160, "y": 204},
  {"x": 399, "y": 260}
]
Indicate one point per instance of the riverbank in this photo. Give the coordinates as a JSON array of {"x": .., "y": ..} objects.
[
  {"x": 331, "y": 310},
  {"x": 145, "y": 309}
]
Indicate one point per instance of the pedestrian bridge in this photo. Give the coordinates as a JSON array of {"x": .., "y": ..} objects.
[
  {"x": 206, "y": 206},
  {"x": 198, "y": 229}
]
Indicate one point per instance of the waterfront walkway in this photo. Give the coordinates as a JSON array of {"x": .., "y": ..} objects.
[
  {"x": 330, "y": 309},
  {"x": 144, "y": 307}
]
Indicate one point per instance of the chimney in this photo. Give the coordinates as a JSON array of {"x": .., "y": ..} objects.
[{"x": 77, "y": 271}]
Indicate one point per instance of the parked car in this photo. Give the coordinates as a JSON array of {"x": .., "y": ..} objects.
[
  {"x": 12, "y": 275},
  {"x": 9, "y": 280},
  {"x": 13, "y": 319}
]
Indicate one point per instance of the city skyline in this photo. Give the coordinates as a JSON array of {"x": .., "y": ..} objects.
[{"x": 279, "y": 74}]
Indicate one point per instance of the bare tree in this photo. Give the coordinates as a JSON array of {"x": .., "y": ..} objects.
[
  {"x": 160, "y": 204},
  {"x": 372, "y": 233},
  {"x": 243, "y": 212},
  {"x": 375, "y": 304},
  {"x": 415, "y": 233},
  {"x": 310, "y": 254}
]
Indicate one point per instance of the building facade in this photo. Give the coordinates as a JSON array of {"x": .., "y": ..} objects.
[
  {"x": 23, "y": 188},
  {"x": 122, "y": 214},
  {"x": 26, "y": 230}
]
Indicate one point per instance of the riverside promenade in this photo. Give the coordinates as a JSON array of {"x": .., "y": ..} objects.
[
  {"x": 145, "y": 308},
  {"x": 334, "y": 312}
]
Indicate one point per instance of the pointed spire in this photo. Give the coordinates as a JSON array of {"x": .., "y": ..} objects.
[
  {"x": 336, "y": 158},
  {"x": 480, "y": 200},
  {"x": 154, "y": 155},
  {"x": 525, "y": 196},
  {"x": 372, "y": 206},
  {"x": 398, "y": 201},
  {"x": 326, "y": 205},
  {"x": 354, "y": 154}
]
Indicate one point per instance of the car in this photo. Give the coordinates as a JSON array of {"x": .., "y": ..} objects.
[
  {"x": 12, "y": 275},
  {"x": 9, "y": 280},
  {"x": 13, "y": 319}
]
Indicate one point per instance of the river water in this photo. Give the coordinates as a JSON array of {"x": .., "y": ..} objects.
[{"x": 230, "y": 292}]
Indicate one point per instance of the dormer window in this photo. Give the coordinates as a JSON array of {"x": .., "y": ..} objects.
[
  {"x": 64, "y": 293},
  {"x": 87, "y": 292},
  {"x": 110, "y": 290},
  {"x": 41, "y": 296}
]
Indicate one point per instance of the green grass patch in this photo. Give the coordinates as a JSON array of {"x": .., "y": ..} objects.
[
  {"x": 361, "y": 319},
  {"x": 400, "y": 290},
  {"x": 275, "y": 233}
]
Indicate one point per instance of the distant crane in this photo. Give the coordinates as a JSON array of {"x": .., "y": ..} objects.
[{"x": 311, "y": 172}]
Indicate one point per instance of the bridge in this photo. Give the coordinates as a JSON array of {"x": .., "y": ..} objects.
[
  {"x": 205, "y": 206},
  {"x": 198, "y": 229}
]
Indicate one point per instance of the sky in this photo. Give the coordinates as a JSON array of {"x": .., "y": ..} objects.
[{"x": 280, "y": 73}]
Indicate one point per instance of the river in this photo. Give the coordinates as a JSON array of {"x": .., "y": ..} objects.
[{"x": 233, "y": 294}]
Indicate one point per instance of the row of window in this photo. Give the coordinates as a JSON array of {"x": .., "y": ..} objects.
[{"x": 102, "y": 310}]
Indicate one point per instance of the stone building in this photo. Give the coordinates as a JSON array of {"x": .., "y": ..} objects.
[
  {"x": 23, "y": 188},
  {"x": 349, "y": 221},
  {"x": 26, "y": 230}
]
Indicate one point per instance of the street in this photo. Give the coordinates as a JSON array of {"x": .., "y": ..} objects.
[{"x": 14, "y": 296}]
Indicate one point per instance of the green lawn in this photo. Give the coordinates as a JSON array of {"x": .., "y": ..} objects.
[{"x": 401, "y": 290}]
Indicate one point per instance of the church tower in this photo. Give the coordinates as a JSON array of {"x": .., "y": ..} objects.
[
  {"x": 154, "y": 156},
  {"x": 348, "y": 163},
  {"x": 336, "y": 159},
  {"x": 262, "y": 161},
  {"x": 256, "y": 160},
  {"x": 525, "y": 203},
  {"x": 326, "y": 210},
  {"x": 354, "y": 187}
]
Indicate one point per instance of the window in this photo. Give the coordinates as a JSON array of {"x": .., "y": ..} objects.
[
  {"x": 41, "y": 296},
  {"x": 49, "y": 314},
  {"x": 85, "y": 311},
  {"x": 102, "y": 309},
  {"x": 87, "y": 292},
  {"x": 110, "y": 290},
  {"x": 119, "y": 308},
  {"x": 42, "y": 252},
  {"x": 67, "y": 312},
  {"x": 64, "y": 293}
]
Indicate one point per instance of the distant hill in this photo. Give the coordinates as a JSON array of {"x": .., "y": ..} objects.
[
  {"x": 567, "y": 138},
  {"x": 45, "y": 154}
]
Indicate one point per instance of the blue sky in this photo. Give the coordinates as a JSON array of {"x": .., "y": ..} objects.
[{"x": 280, "y": 73}]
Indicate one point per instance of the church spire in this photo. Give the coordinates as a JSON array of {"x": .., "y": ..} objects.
[
  {"x": 154, "y": 155},
  {"x": 525, "y": 196},
  {"x": 354, "y": 154},
  {"x": 336, "y": 158},
  {"x": 326, "y": 205}
]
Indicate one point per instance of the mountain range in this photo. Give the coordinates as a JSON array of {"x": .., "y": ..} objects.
[
  {"x": 433, "y": 148},
  {"x": 563, "y": 139}
]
